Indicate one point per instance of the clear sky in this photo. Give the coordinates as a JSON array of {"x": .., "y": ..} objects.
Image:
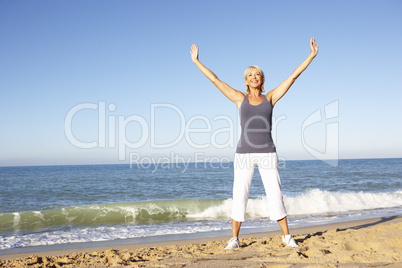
[{"x": 83, "y": 81}]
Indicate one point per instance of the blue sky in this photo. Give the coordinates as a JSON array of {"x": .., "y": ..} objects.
[{"x": 57, "y": 56}]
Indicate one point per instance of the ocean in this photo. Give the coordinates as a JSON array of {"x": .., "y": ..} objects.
[{"x": 55, "y": 205}]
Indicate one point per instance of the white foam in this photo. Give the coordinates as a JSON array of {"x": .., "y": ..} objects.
[
  {"x": 219, "y": 211},
  {"x": 106, "y": 233},
  {"x": 320, "y": 202},
  {"x": 315, "y": 201}
]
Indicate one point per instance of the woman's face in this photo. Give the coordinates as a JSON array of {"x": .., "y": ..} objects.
[{"x": 254, "y": 79}]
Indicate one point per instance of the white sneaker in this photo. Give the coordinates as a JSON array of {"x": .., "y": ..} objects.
[
  {"x": 233, "y": 243},
  {"x": 289, "y": 241}
]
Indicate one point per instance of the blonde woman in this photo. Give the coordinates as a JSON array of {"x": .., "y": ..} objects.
[{"x": 256, "y": 146}]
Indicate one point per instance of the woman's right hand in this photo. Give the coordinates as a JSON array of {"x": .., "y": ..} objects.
[
  {"x": 194, "y": 53},
  {"x": 313, "y": 47}
]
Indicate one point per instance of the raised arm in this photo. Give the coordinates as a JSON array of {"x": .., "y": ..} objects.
[
  {"x": 278, "y": 92},
  {"x": 232, "y": 94}
]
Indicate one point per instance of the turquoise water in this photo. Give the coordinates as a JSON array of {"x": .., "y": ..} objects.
[{"x": 64, "y": 204}]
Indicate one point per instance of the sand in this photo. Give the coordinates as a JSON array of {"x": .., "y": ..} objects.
[{"x": 367, "y": 243}]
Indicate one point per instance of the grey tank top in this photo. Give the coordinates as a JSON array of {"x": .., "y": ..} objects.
[{"x": 256, "y": 124}]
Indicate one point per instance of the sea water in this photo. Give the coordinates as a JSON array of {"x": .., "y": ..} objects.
[{"x": 51, "y": 205}]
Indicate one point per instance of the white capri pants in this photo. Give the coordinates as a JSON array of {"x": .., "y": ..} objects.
[{"x": 243, "y": 173}]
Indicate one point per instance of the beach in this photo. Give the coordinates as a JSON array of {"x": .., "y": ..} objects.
[
  {"x": 362, "y": 243},
  {"x": 179, "y": 216}
]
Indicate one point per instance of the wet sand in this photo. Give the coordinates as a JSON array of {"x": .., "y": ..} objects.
[{"x": 372, "y": 242}]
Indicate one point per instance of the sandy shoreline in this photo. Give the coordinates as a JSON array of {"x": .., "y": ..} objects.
[{"x": 357, "y": 243}]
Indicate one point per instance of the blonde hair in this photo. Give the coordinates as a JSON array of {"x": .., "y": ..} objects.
[{"x": 248, "y": 71}]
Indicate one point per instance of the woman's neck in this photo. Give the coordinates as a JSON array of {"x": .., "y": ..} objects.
[{"x": 254, "y": 92}]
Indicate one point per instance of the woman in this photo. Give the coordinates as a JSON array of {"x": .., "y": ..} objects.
[{"x": 256, "y": 146}]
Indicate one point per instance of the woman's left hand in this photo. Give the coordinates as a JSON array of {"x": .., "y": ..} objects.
[
  {"x": 313, "y": 47},
  {"x": 194, "y": 53}
]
